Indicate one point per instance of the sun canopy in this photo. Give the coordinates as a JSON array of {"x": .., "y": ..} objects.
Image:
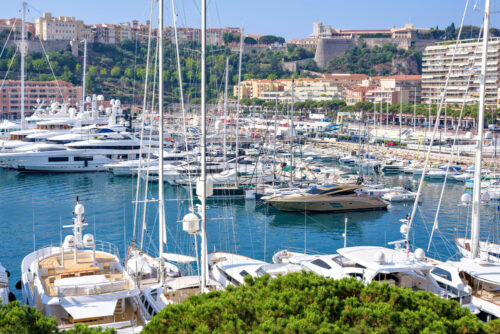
[{"x": 89, "y": 310}]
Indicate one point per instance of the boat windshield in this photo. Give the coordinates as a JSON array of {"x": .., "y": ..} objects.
[{"x": 315, "y": 190}]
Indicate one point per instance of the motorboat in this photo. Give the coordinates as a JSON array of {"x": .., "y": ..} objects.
[
  {"x": 399, "y": 194},
  {"x": 392, "y": 167},
  {"x": 396, "y": 267},
  {"x": 462, "y": 177},
  {"x": 81, "y": 281},
  {"x": 82, "y": 156},
  {"x": 231, "y": 269},
  {"x": 328, "y": 198}
]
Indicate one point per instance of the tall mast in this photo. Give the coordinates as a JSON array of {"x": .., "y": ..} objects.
[
  {"x": 82, "y": 107},
  {"x": 400, "y": 113},
  {"x": 476, "y": 197},
  {"x": 238, "y": 107},
  {"x": 415, "y": 112},
  {"x": 161, "y": 204},
  {"x": 23, "y": 49},
  {"x": 225, "y": 110},
  {"x": 203, "y": 178},
  {"x": 291, "y": 131}
]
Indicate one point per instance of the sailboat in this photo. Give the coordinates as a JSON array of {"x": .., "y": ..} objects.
[{"x": 479, "y": 268}]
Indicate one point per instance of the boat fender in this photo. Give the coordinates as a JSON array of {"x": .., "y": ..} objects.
[
  {"x": 19, "y": 285},
  {"x": 12, "y": 297}
]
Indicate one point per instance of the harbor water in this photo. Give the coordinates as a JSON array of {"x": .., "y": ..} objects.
[{"x": 35, "y": 207}]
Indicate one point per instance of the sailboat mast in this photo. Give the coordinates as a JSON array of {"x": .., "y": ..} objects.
[
  {"x": 291, "y": 131},
  {"x": 82, "y": 108},
  {"x": 23, "y": 49},
  {"x": 226, "y": 83},
  {"x": 203, "y": 178},
  {"x": 238, "y": 108},
  {"x": 476, "y": 196},
  {"x": 415, "y": 112},
  {"x": 400, "y": 114},
  {"x": 161, "y": 204}
]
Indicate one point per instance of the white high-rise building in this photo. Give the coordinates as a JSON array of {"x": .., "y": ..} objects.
[{"x": 436, "y": 64}]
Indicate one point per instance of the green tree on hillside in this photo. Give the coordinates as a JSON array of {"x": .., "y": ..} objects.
[{"x": 115, "y": 72}]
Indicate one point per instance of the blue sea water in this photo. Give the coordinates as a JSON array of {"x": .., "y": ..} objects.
[{"x": 33, "y": 207}]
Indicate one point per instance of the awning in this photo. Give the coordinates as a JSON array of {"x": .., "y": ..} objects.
[{"x": 89, "y": 310}]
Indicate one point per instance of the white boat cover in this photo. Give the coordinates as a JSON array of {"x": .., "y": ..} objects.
[
  {"x": 89, "y": 310},
  {"x": 178, "y": 258},
  {"x": 138, "y": 264},
  {"x": 84, "y": 280}
]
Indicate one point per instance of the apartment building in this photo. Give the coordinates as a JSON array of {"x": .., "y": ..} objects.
[
  {"x": 388, "y": 95},
  {"x": 35, "y": 93},
  {"x": 49, "y": 28},
  {"x": 410, "y": 84},
  {"x": 436, "y": 64},
  {"x": 355, "y": 94},
  {"x": 344, "y": 78},
  {"x": 281, "y": 89}
]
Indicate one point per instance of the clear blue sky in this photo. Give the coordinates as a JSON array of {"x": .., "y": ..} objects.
[{"x": 287, "y": 18}]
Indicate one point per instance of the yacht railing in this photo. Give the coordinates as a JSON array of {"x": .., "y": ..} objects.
[
  {"x": 55, "y": 249},
  {"x": 87, "y": 289}
]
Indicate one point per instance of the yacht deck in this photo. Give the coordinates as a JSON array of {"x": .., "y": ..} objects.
[
  {"x": 124, "y": 312},
  {"x": 103, "y": 275}
]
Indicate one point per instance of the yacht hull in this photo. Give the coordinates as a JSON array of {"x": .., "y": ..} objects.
[{"x": 337, "y": 204}]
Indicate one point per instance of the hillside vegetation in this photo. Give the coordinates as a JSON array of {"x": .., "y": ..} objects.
[{"x": 118, "y": 71}]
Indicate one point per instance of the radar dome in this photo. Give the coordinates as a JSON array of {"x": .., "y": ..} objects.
[
  {"x": 379, "y": 257},
  {"x": 88, "y": 240},
  {"x": 466, "y": 198},
  {"x": 69, "y": 241},
  {"x": 404, "y": 229},
  {"x": 100, "y": 97},
  {"x": 190, "y": 223},
  {"x": 419, "y": 254},
  {"x": 79, "y": 209}
]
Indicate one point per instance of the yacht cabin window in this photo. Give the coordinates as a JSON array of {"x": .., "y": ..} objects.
[{"x": 321, "y": 263}]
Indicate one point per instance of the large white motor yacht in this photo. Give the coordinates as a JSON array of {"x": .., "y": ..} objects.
[{"x": 81, "y": 281}]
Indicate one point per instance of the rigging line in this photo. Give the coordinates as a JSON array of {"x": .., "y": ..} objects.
[
  {"x": 443, "y": 97},
  {"x": 148, "y": 154},
  {"x": 8, "y": 69},
  {"x": 51, "y": 68},
  {"x": 135, "y": 68},
  {"x": 435, "y": 225},
  {"x": 144, "y": 103},
  {"x": 8, "y": 37},
  {"x": 181, "y": 92}
]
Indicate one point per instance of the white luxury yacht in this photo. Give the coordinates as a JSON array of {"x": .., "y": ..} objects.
[
  {"x": 231, "y": 269},
  {"x": 370, "y": 263},
  {"x": 81, "y": 281},
  {"x": 89, "y": 155}
]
